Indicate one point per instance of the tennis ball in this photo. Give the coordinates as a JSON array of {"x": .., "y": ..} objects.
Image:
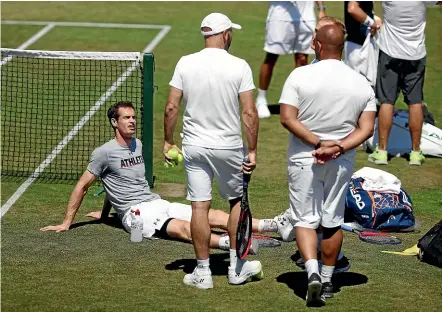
[
  {"x": 259, "y": 276},
  {"x": 167, "y": 166},
  {"x": 173, "y": 153},
  {"x": 180, "y": 158}
]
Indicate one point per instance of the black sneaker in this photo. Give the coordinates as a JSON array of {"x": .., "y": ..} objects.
[
  {"x": 327, "y": 290},
  {"x": 342, "y": 265},
  {"x": 314, "y": 296}
]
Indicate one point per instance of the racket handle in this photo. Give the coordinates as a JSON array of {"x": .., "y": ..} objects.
[{"x": 246, "y": 177}]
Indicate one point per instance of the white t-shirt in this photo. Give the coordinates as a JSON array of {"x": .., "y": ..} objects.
[
  {"x": 330, "y": 96},
  {"x": 292, "y": 11},
  {"x": 402, "y": 34},
  {"x": 211, "y": 81}
]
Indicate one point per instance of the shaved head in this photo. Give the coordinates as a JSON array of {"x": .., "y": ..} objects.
[
  {"x": 329, "y": 42},
  {"x": 327, "y": 20}
]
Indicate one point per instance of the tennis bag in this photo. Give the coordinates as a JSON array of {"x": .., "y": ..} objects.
[
  {"x": 378, "y": 211},
  {"x": 430, "y": 246}
]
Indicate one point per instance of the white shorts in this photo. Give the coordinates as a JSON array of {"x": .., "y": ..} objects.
[
  {"x": 202, "y": 164},
  {"x": 155, "y": 213},
  {"x": 289, "y": 37},
  {"x": 317, "y": 192}
]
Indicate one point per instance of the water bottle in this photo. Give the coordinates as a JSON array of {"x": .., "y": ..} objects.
[{"x": 136, "y": 227}]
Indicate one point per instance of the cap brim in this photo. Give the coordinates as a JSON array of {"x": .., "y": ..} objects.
[{"x": 236, "y": 26}]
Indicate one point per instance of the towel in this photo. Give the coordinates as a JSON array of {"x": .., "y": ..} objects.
[{"x": 377, "y": 180}]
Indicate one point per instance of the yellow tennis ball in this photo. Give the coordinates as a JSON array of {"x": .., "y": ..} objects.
[
  {"x": 180, "y": 158},
  {"x": 173, "y": 153},
  {"x": 167, "y": 166}
]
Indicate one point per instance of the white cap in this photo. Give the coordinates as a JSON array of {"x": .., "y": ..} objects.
[{"x": 217, "y": 22}]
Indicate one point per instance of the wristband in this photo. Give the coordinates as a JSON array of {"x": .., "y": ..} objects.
[
  {"x": 342, "y": 150},
  {"x": 318, "y": 145},
  {"x": 321, "y": 7},
  {"x": 369, "y": 21}
]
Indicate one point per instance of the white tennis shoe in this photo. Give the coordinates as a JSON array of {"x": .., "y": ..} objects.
[
  {"x": 244, "y": 271},
  {"x": 198, "y": 279}
]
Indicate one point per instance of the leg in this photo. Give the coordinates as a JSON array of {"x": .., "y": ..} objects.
[
  {"x": 179, "y": 229},
  {"x": 301, "y": 59},
  {"x": 413, "y": 85},
  {"x": 307, "y": 242},
  {"x": 385, "y": 121},
  {"x": 415, "y": 122},
  {"x": 266, "y": 72},
  {"x": 387, "y": 91},
  {"x": 199, "y": 192},
  {"x": 235, "y": 210},
  {"x": 200, "y": 229},
  {"x": 331, "y": 245}
]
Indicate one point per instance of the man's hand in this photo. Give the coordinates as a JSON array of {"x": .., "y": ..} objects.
[
  {"x": 167, "y": 147},
  {"x": 247, "y": 168},
  {"x": 376, "y": 27},
  {"x": 94, "y": 215},
  {"x": 328, "y": 150},
  {"x": 57, "y": 228}
]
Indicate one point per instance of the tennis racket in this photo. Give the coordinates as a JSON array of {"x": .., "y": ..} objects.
[
  {"x": 371, "y": 237},
  {"x": 244, "y": 229}
]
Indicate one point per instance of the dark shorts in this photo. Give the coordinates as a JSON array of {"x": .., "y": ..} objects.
[
  {"x": 162, "y": 233},
  {"x": 395, "y": 75}
]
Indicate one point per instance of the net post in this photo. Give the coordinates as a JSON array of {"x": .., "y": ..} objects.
[{"x": 148, "y": 90}]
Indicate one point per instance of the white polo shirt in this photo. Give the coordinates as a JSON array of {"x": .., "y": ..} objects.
[
  {"x": 330, "y": 96},
  {"x": 403, "y": 30},
  {"x": 211, "y": 81},
  {"x": 292, "y": 11}
]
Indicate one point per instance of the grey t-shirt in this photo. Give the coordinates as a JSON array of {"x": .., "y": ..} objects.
[
  {"x": 121, "y": 169},
  {"x": 402, "y": 35}
]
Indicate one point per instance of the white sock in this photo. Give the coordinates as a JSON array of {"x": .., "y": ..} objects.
[
  {"x": 319, "y": 242},
  {"x": 233, "y": 258},
  {"x": 326, "y": 273},
  {"x": 262, "y": 94},
  {"x": 267, "y": 225},
  {"x": 341, "y": 255},
  {"x": 224, "y": 242},
  {"x": 312, "y": 267},
  {"x": 203, "y": 266}
]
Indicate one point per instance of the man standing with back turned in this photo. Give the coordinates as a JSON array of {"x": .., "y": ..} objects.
[
  {"x": 210, "y": 83},
  {"x": 329, "y": 110}
]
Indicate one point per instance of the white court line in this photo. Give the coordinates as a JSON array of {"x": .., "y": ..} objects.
[
  {"x": 80, "y": 124},
  {"x": 81, "y": 24},
  {"x": 30, "y": 41}
]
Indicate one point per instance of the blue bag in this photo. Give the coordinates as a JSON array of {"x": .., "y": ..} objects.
[{"x": 378, "y": 211}]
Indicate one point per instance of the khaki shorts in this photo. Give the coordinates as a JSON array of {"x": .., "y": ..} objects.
[
  {"x": 203, "y": 164},
  {"x": 289, "y": 37},
  {"x": 317, "y": 192}
]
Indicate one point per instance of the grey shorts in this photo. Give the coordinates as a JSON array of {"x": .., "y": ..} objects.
[{"x": 395, "y": 75}]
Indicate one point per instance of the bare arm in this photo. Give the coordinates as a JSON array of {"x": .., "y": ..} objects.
[
  {"x": 359, "y": 15},
  {"x": 75, "y": 201},
  {"x": 170, "y": 120},
  {"x": 364, "y": 131},
  {"x": 171, "y": 113},
  {"x": 289, "y": 119},
  {"x": 356, "y": 12},
  {"x": 321, "y": 8},
  {"x": 251, "y": 126}
]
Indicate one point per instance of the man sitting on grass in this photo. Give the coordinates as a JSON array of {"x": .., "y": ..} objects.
[{"x": 120, "y": 165}]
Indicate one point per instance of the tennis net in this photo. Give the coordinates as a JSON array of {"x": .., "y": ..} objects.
[{"x": 54, "y": 104}]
